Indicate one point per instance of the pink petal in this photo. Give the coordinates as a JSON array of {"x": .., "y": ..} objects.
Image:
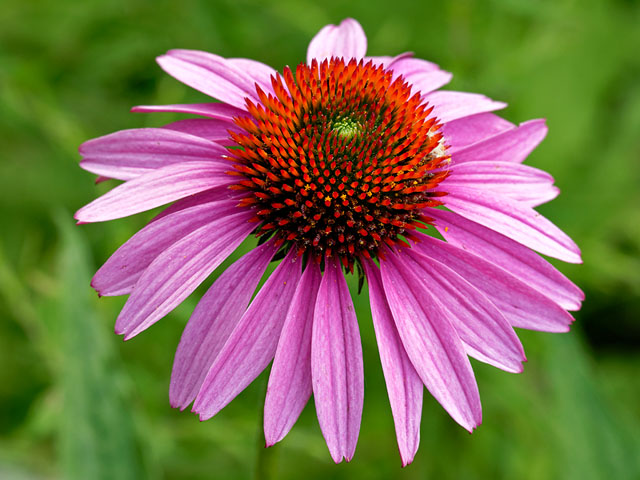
[
  {"x": 212, "y": 322},
  {"x": 220, "y": 111},
  {"x": 403, "y": 382},
  {"x": 258, "y": 71},
  {"x": 289, "y": 386},
  {"x": 522, "y": 305},
  {"x": 212, "y": 129},
  {"x": 484, "y": 331},
  {"x": 336, "y": 364},
  {"x": 130, "y": 153},
  {"x": 346, "y": 40},
  {"x": 387, "y": 62},
  {"x": 516, "y": 259},
  {"x": 252, "y": 344},
  {"x": 209, "y": 74},
  {"x": 431, "y": 342},
  {"x": 508, "y": 146},
  {"x": 514, "y": 220},
  {"x": 407, "y": 65},
  {"x": 220, "y": 193},
  {"x": 468, "y": 130},
  {"x": 448, "y": 106},
  {"x": 516, "y": 181},
  {"x": 123, "y": 269},
  {"x": 156, "y": 188},
  {"x": 429, "y": 82},
  {"x": 177, "y": 271},
  {"x": 423, "y": 76}
]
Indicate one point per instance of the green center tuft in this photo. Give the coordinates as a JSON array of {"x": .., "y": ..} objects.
[{"x": 347, "y": 128}]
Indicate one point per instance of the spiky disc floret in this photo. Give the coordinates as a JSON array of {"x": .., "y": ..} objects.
[{"x": 341, "y": 161}]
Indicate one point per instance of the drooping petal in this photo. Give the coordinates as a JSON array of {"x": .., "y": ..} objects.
[
  {"x": 346, "y": 40},
  {"x": 220, "y": 111},
  {"x": 209, "y": 74},
  {"x": 212, "y": 322},
  {"x": 448, "y": 106},
  {"x": 156, "y": 188},
  {"x": 123, "y": 269},
  {"x": 423, "y": 76},
  {"x": 514, "y": 220},
  {"x": 519, "y": 182},
  {"x": 336, "y": 364},
  {"x": 289, "y": 386},
  {"x": 177, "y": 271},
  {"x": 522, "y": 305},
  {"x": 252, "y": 344},
  {"x": 213, "y": 129},
  {"x": 431, "y": 342},
  {"x": 469, "y": 130},
  {"x": 483, "y": 329},
  {"x": 508, "y": 146},
  {"x": 403, "y": 382},
  {"x": 130, "y": 153},
  {"x": 516, "y": 259}
]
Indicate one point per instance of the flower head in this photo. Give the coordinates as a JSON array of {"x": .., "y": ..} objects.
[{"x": 338, "y": 166}]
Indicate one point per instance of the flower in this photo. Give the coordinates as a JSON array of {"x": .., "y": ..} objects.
[{"x": 338, "y": 166}]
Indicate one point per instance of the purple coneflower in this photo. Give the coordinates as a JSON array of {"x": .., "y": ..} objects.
[{"x": 336, "y": 166}]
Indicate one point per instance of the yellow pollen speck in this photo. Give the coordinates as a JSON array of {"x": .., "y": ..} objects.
[
  {"x": 307, "y": 187},
  {"x": 343, "y": 197},
  {"x": 446, "y": 229},
  {"x": 369, "y": 194}
]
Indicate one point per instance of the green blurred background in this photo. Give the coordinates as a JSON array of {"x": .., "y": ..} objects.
[{"x": 78, "y": 403}]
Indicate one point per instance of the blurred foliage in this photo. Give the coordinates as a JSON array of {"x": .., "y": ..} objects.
[{"x": 77, "y": 403}]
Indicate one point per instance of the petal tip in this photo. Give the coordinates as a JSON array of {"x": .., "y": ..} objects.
[
  {"x": 337, "y": 458},
  {"x": 99, "y": 290},
  {"x": 407, "y": 462},
  {"x": 126, "y": 330},
  {"x": 119, "y": 331},
  {"x": 473, "y": 423},
  {"x": 472, "y": 427}
]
